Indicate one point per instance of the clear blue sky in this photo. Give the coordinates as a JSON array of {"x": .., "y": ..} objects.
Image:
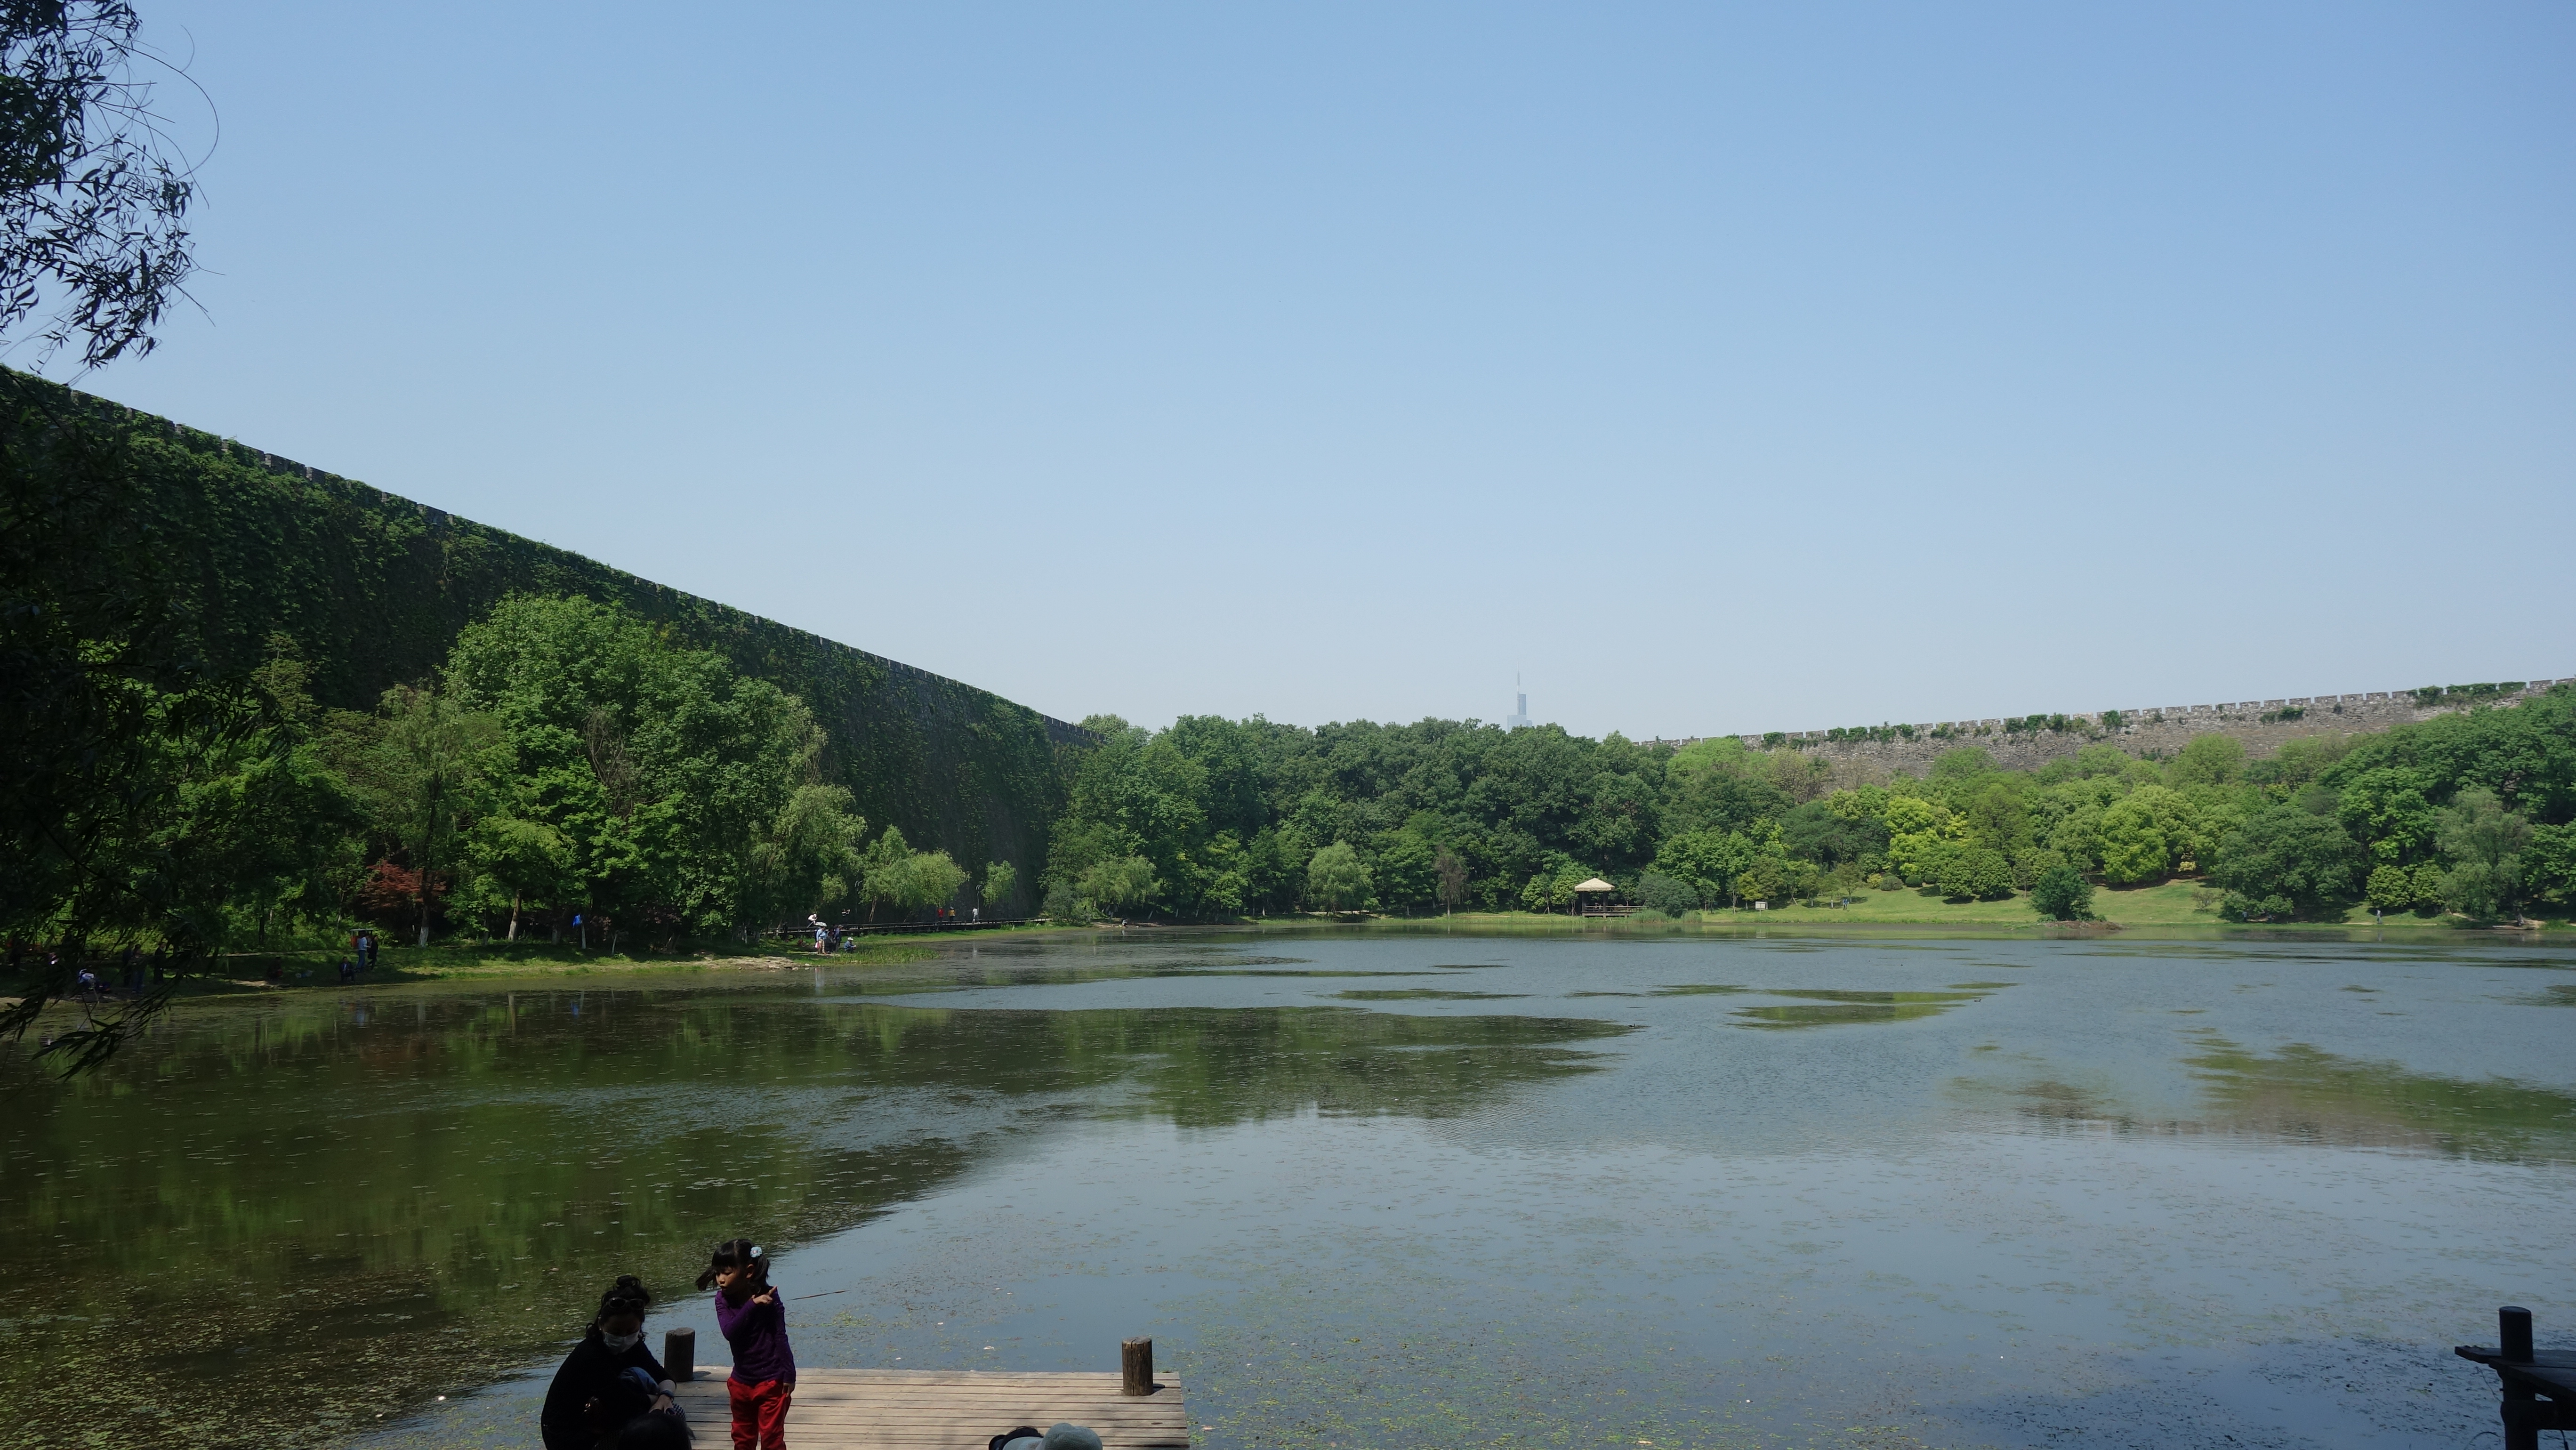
[{"x": 1718, "y": 368}]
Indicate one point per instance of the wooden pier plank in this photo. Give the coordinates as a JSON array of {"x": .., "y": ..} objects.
[{"x": 882, "y": 1409}]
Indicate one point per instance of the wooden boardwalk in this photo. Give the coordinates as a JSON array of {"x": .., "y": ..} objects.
[{"x": 897, "y": 1409}]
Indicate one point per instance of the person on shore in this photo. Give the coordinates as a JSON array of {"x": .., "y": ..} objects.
[
  {"x": 755, "y": 1324},
  {"x": 348, "y": 971},
  {"x": 593, "y": 1397}
]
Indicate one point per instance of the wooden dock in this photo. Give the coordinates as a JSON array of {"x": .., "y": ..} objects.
[
  {"x": 895, "y": 1409},
  {"x": 2539, "y": 1385}
]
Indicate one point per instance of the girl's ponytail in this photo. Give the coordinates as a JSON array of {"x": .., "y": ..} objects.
[{"x": 736, "y": 1254}]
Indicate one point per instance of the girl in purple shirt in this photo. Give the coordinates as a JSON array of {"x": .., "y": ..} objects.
[{"x": 755, "y": 1324}]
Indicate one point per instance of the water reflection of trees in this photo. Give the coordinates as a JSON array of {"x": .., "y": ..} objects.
[
  {"x": 285, "y": 1221},
  {"x": 2302, "y": 1095}
]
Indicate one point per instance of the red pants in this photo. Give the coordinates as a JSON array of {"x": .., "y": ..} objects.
[{"x": 759, "y": 1413}]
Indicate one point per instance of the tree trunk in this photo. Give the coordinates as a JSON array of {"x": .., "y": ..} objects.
[{"x": 514, "y": 916}]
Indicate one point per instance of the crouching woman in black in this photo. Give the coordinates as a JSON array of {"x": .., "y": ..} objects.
[{"x": 591, "y": 1395}]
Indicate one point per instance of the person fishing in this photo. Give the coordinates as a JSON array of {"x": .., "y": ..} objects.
[
  {"x": 755, "y": 1324},
  {"x": 596, "y": 1390}
]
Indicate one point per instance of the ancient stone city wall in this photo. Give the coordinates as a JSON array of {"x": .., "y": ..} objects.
[{"x": 2155, "y": 732}]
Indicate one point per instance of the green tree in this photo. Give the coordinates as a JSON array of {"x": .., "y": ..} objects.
[
  {"x": 2486, "y": 841},
  {"x": 1817, "y": 832},
  {"x": 1619, "y": 819},
  {"x": 522, "y": 861},
  {"x": 1138, "y": 794},
  {"x": 1001, "y": 878},
  {"x": 2549, "y": 862},
  {"x": 1922, "y": 831},
  {"x": 2286, "y": 861},
  {"x": 2208, "y": 760},
  {"x": 1912, "y": 815},
  {"x": 430, "y": 767},
  {"x": 2390, "y": 888},
  {"x": 2298, "y": 763},
  {"x": 1708, "y": 861},
  {"x": 1775, "y": 878},
  {"x": 689, "y": 796},
  {"x": 2526, "y": 754},
  {"x": 1995, "y": 816},
  {"x": 1975, "y": 873},
  {"x": 1669, "y": 895},
  {"x": 92, "y": 205},
  {"x": 883, "y": 878},
  {"x": 1453, "y": 879},
  {"x": 1719, "y": 785},
  {"x": 1064, "y": 904},
  {"x": 1274, "y": 868},
  {"x": 2142, "y": 833},
  {"x": 1219, "y": 876},
  {"x": 1338, "y": 880},
  {"x": 2132, "y": 845},
  {"x": 2385, "y": 810},
  {"x": 1128, "y": 881},
  {"x": 2062, "y": 894},
  {"x": 936, "y": 880},
  {"x": 889, "y": 875},
  {"x": 804, "y": 858},
  {"x": 184, "y": 817},
  {"x": 1407, "y": 871}
]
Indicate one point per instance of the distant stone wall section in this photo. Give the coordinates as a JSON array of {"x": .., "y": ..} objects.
[{"x": 2153, "y": 732}]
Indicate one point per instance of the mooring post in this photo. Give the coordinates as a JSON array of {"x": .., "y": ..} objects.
[
  {"x": 680, "y": 1355},
  {"x": 2513, "y": 1334},
  {"x": 1136, "y": 1366}
]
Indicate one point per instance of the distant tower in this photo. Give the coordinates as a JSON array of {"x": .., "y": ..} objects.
[{"x": 1520, "y": 719}]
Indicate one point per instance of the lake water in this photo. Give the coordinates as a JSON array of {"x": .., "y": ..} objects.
[{"x": 1384, "y": 1190}]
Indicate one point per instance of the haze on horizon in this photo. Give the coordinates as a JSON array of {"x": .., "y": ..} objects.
[{"x": 1713, "y": 368}]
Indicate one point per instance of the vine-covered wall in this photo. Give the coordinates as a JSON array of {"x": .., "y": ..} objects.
[{"x": 374, "y": 588}]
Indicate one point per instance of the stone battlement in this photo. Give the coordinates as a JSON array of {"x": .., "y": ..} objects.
[{"x": 2027, "y": 741}]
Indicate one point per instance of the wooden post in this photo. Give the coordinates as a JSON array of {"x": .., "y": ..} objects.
[
  {"x": 2513, "y": 1333},
  {"x": 1136, "y": 1366},
  {"x": 680, "y": 1355}
]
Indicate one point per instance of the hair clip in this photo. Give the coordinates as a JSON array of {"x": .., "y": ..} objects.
[{"x": 755, "y": 1251}]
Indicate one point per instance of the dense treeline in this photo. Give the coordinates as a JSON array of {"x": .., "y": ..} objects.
[
  {"x": 1214, "y": 817},
  {"x": 567, "y": 759}
]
